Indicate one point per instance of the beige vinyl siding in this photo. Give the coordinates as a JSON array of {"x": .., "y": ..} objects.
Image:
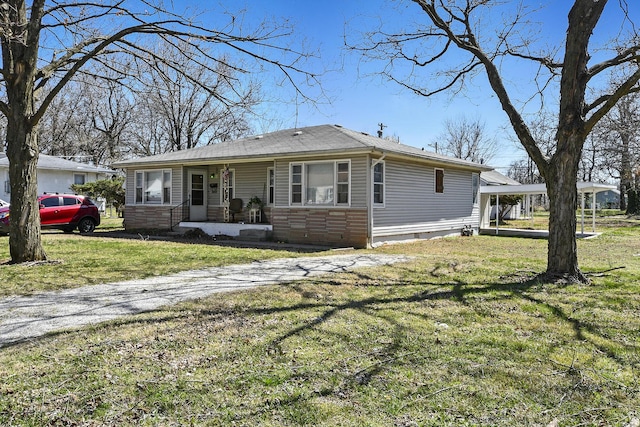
[
  {"x": 282, "y": 182},
  {"x": 412, "y": 204},
  {"x": 358, "y": 184},
  {"x": 130, "y": 187},
  {"x": 178, "y": 192},
  {"x": 359, "y": 172},
  {"x": 250, "y": 180}
]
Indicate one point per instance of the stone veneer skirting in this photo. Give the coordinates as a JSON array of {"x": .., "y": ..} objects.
[
  {"x": 315, "y": 226},
  {"x": 147, "y": 217}
]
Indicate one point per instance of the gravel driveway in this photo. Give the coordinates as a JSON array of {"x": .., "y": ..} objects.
[{"x": 27, "y": 317}]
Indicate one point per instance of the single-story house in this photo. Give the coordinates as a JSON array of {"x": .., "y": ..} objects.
[
  {"x": 320, "y": 185},
  {"x": 55, "y": 175},
  {"x": 493, "y": 177}
]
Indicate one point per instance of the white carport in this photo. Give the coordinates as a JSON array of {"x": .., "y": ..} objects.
[{"x": 528, "y": 190}]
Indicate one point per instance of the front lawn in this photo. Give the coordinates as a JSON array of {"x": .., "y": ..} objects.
[
  {"x": 79, "y": 260},
  {"x": 459, "y": 336}
]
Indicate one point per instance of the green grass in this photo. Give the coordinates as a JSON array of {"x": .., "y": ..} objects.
[
  {"x": 458, "y": 336},
  {"x": 78, "y": 260}
]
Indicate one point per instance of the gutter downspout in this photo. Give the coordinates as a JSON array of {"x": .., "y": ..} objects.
[{"x": 370, "y": 194}]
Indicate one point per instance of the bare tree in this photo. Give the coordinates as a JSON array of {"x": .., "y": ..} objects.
[
  {"x": 216, "y": 108},
  {"x": 466, "y": 139},
  {"x": 109, "y": 111},
  {"x": 464, "y": 38},
  {"x": 58, "y": 130},
  {"x": 617, "y": 138},
  {"x": 88, "y": 121},
  {"x": 46, "y": 43},
  {"x": 524, "y": 171}
]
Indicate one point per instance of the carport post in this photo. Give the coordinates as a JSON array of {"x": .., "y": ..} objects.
[
  {"x": 593, "y": 211},
  {"x": 497, "y": 211},
  {"x": 581, "y": 213}
]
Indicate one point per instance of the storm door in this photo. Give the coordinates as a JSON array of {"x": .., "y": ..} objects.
[{"x": 197, "y": 195}]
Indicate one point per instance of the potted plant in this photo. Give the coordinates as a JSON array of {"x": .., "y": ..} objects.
[
  {"x": 255, "y": 203},
  {"x": 254, "y": 206}
]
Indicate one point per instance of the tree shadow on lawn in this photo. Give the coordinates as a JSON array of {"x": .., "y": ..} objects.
[
  {"x": 393, "y": 352},
  {"x": 390, "y": 352},
  {"x": 458, "y": 291}
]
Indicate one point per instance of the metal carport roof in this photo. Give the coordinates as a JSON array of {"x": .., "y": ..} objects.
[{"x": 530, "y": 189}]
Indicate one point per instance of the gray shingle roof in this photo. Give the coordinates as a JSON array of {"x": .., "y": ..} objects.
[
  {"x": 313, "y": 140},
  {"x": 496, "y": 178},
  {"x": 56, "y": 163}
]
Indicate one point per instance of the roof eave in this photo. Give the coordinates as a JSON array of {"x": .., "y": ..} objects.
[
  {"x": 439, "y": 161},
  {"x": 236, "y": 159}
]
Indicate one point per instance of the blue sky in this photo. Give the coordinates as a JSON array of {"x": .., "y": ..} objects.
[{"x": 360, "y": 99}]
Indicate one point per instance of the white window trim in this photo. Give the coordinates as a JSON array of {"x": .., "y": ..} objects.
[
  {"x": 233, "y": 185},
  {"x": 144, "y": 185},
  {"x": 383, "y": 183},
  {"x": 270, "y": 170},
  {"x": 291, "y": 165},
  {"x": 335, "y": 183},
  {"x": 304, "y": 183},
  {"x": 475, "y": 196},
  {"x": 435, "y": 180}
]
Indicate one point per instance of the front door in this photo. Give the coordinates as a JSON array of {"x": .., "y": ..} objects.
[{"x": 197, "y": 195}]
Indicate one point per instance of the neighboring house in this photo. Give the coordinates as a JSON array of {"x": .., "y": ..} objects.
[
  {"x": 55, "y": 175},
  {"x": 493, "y": 177},
  {"x": 320, "y": 185},
  {"x": 609, "y": 199}
]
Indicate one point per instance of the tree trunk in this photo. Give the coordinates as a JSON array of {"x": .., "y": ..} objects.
[
  {"x": 561, "y": 181},
  {"x": 24, "y": 225},
  {"x": 625, "y": 169},
  {"x": 19, "y": 68}
]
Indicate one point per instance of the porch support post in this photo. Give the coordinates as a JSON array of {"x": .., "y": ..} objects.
[{"x": 225, "y": 193}]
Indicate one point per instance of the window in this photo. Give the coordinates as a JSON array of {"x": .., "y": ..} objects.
[
  {"x": 153, "y": 187},
  {"x": 439, "y": 180},
  {"x": 271, "y": 182},
  {"x": 138, "y": 187},
  {"x": 342, "y": 182},
  {"x": 475, "y": 184},
  {"x": 320, "y": 183},
  {"x": 166, "y": 189},
  {"x": 296, "y": 184},
  {"x": 378, "y": 183},
  {"x": 79, "y": 178}
]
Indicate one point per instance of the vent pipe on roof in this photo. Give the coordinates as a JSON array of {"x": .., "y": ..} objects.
[
  {"x": 296, "y": 133},
  {"x": 382, "y": 126}
]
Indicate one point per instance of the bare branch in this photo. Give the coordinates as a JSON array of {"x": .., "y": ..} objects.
[
  {"x": 629, "y": 55},
  {"x": 608, "y": 102},
  {"x": 469, "y": 44}
]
